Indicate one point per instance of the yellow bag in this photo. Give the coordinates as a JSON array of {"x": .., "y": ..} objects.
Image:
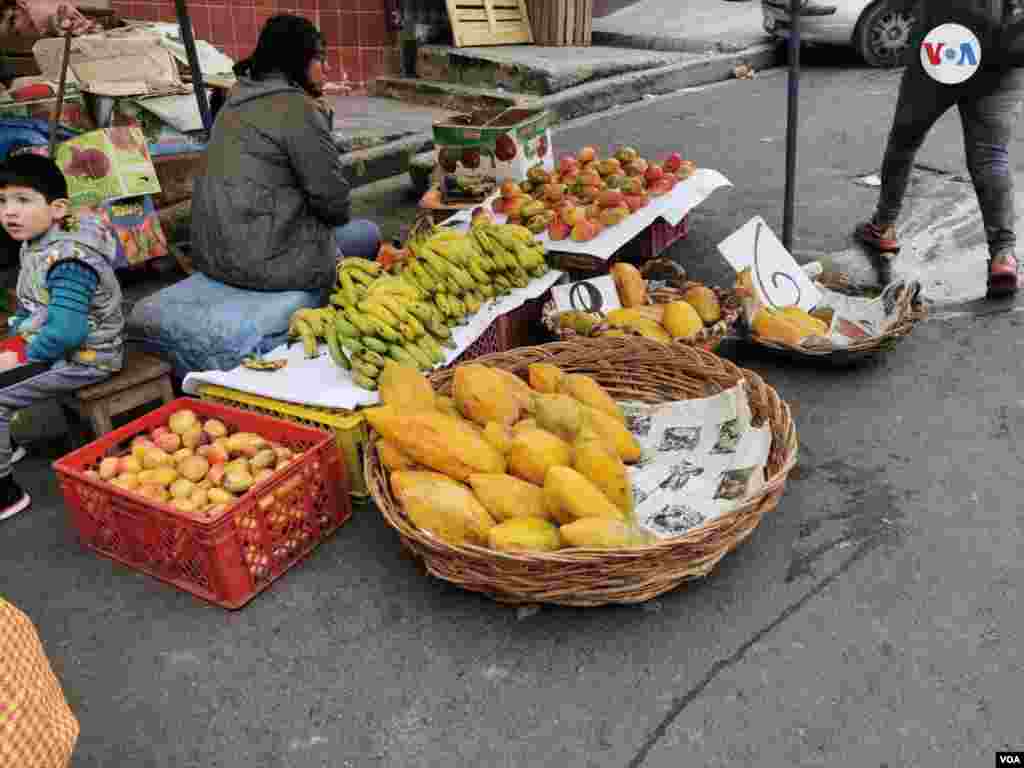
[{"x": 37, "y": 727}]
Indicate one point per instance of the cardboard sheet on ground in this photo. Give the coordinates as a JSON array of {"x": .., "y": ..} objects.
[
  {"x": 672, "y": 207},
  {"x": 320, "y": 383},
  {"x": 701, "y": 458}
]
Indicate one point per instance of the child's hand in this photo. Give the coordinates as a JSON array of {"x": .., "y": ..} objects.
[{"x": 8, "y": 360}]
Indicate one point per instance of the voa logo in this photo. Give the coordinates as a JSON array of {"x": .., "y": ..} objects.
[
  {"x": 950, "y": 53},
  {"x": 1009, "y": 759}
]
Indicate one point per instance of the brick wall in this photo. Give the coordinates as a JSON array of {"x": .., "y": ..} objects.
[{"x": 356, "y": 31}]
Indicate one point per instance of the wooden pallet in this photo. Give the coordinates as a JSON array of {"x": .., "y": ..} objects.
[
  {"x": 489, "y": 22},
  {"x": 561, "y": 22}
]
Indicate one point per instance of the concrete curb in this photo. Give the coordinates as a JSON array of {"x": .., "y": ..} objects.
[
  {"x": 391, "y": 159},
  {"x": 673, "y": 44}
]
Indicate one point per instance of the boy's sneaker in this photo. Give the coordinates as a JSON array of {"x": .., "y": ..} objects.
[
  {"x": 12, "y": 498},
  {"x": 18, "y": 454}
]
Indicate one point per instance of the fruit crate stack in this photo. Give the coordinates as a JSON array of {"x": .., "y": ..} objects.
[
  {"x": 561, "y": 22},
  {"x": 245, "y": 499}
]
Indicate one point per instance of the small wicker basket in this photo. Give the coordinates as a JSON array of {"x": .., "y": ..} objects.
[
  {"x": 631, "y": 369},
  {"x": 676, "y": 285},
  {"x": 909, "y": 310}
]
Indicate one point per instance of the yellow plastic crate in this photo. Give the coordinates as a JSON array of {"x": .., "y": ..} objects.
[{"x": 349, "y": 427}]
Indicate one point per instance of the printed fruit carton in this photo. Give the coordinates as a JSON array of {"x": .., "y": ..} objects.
[{"x": 504, "y": 144}]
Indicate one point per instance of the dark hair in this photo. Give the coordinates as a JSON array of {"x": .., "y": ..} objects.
[
  {"x": 287, "y": 45},
  {"x": 34, "y": 172}
]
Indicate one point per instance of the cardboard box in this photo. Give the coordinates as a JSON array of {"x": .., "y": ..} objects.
[
  {"x": 132, "y": 63},
  {"x": 504, "y": 144}
]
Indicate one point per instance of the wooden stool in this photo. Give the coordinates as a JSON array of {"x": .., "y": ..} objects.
[{"x": 143, "y": 378}]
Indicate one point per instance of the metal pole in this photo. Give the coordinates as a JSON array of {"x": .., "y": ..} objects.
[
  {"x": 791, "y": 122},
  {"x": 55, "y": 118},
  {"x": 185, "y": 23}
]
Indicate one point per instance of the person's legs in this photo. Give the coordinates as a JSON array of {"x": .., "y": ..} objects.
[
  {"x": 920, "y": 103},
  {"x": 359, "y": 238},
  {"x": 989, "y": 113},
  {"x": 62, "y": 377}
]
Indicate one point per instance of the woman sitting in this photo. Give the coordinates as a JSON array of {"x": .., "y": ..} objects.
[{"x": 271, "y": 211}]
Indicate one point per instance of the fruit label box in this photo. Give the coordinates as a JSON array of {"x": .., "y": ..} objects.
[
  {"x": 673, "y": 207},
  {"x": 504, "y": 144}
]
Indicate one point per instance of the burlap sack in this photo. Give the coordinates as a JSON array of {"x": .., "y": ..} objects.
[{"x": 37, "y": 727}]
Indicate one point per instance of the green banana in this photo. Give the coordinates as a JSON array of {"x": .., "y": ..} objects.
[
  {"x": 432, "y": 348},
  {"x": 369, "y": 370},
  {"x": 352, "y": 345},
  {"x": 374, "y": 358},
  {"x": 344, "y": 327},
  {"x": 378, "y": 311},
  {"x": 422, "y": 359},
  {"x": 363, "y": 265},
  {"x": 366, "y": 328},
  {"x": 348, "y": 289},
  {"x": 364, "y": 381},
  {"x": 399, "y": 354},
  {"x": 337, "y": 354},
  {"x": 375, "y": 344}
]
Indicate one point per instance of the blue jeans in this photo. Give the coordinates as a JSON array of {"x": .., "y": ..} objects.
[
  {"x": 989, "y": 103},
  {"x": 358, "y": 238}
]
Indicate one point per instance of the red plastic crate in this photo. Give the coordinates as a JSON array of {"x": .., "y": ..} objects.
[{"x": 230, "y": 559}]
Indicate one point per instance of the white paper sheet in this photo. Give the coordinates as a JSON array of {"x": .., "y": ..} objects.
[
  {"x": 320, "y": 383},
  {"x": 701, "y": 458},
  {"x": 778, "y": 279},
  {"x": 672, "y": 207}
]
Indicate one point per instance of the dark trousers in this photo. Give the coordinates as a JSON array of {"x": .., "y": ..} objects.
[{"x": 989, "y": 103}]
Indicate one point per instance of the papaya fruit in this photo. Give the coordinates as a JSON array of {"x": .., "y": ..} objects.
[
  {"x": 525, "y": 534},
  {"x": 534, "y": 451},
  {"x": 482, "y": 395},
  {"x": 447, "y": 509},
  {"x": 589, "y": 392},
  {"x": 437, "y": 441},
  {"x": 559, "y": 414},
  {"x": 507, "y": 497},
  {"x": 614, "y": 434},
  {"x": 517, "y": 388},
  {"x": 499, "y": 436},
  {"x": 404, "y": 386},
  {"x": 392, "y": 457},
  {"x": 682, "y": 321},
  {"x": 603, "y": 533},
  {"x": 569, "y": 496},
  {"x": 545, "y": 377},
  {"x": 601, "y": 465}
]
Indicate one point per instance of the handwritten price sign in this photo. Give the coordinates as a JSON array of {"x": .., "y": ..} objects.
[{"x": 778, "y": 279}]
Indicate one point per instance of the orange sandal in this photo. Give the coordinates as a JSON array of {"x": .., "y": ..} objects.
[{"x": 1003, "y": 279}]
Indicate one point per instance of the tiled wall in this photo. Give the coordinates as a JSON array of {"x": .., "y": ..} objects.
[{"x": 356, "y": 31}]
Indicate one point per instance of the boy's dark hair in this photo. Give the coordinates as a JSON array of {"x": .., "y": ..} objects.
[
  {"x": 287, "y": 45},
  {"x": 34, "y": 172}
]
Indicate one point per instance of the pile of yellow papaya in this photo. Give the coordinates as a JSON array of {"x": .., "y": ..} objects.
[{"x": 506, "y": 463}]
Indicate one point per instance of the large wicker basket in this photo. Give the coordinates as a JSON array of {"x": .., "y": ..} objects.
[{"x": 633, "y": 369}]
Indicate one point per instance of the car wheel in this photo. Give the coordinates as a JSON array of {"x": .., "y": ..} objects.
[{"x": 883, "y": 34}]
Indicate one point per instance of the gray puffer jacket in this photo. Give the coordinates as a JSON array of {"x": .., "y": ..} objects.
[{"x": 265, "y": 209}]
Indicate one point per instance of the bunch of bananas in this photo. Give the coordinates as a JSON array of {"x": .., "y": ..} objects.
[{"x": 407, "y": 313}]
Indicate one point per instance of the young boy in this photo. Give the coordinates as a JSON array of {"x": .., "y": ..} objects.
[{"x": 69, "y": 299}]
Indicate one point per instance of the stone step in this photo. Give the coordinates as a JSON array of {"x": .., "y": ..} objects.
[
  {"x": 443, "y": 95},
  {"x": 535, "y": 70}
]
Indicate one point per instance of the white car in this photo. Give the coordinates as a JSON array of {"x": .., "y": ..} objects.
[{"x": 879, "y": 30}]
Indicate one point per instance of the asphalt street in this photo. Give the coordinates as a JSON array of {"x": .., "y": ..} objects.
[{"x": 872, "y": 620}]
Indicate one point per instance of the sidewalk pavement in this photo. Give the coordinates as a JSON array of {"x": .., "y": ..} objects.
[{"x": 697, "y": 25}]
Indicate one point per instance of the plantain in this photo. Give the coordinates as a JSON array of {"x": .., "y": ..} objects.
[
  {"x": 309, "y": 344},
  {"x": 368, "y": 369},
  {"x": 359, "y": 277},
  {"x": 424, "y": 278},
  {"x": 422, "y": 359},
  {"x": 432, "y": 348},
  {"x": 487, "y": 291},
  {"x": 337, "y": 354},
  {"x": 372, "y": 342},
  {"x": 473, "y": 302},
  {"x": 384, "y": 330},
  {"x": 476, "y": 270},
  {"x": 374, "y": 358},
  {"x": 364, "y": 381},
  {"x": 420, "y": 311},
  {"x": 348, "y": 289},
  {"x": 440, "y": 330},
  {"x": 344, "y": 327},
  {"x": 399, "y": 354},
  {"x": 396, "y": 306},
  {"x": 366, "y": 328},
  {"x": 352, "y": 345},
  {"x": 379, "y": 312},
  {"x": 363, "y": 265}
]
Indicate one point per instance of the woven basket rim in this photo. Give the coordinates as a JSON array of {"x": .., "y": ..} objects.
[
  {"x": 910, "y": 312},
  {"x": 712, "y": 539}
]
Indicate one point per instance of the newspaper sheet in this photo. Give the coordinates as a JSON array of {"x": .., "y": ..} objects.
[{"x": 700, "y": 459}]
